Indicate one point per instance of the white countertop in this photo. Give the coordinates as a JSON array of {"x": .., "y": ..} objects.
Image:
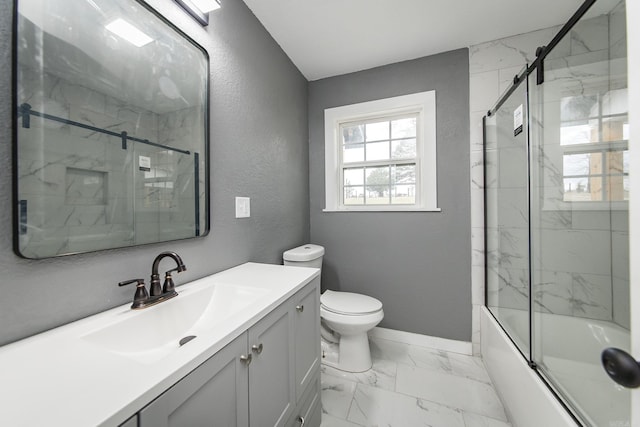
[{"x": 59, "y": 379}]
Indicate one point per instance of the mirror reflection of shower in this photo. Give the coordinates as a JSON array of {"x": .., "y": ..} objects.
[{"x": 111, "y": 128}]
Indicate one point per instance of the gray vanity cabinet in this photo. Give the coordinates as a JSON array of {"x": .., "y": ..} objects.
[
  {"x": 213, "y": 395},
  {"x": 279, "y": 386},
  {"x": 272, "y": 394},
  {"x": 307, "y": 333}
]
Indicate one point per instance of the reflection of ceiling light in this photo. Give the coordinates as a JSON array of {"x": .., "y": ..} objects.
[
  {"x": 199, "y": 9},
  {"x": 122, "y": 28}
]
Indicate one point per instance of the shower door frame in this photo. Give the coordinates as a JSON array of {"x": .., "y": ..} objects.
[
  {"x": 633, "y": 69},
  {"x": 538, "y": 67},
  {"x": 522, "y": 78}
]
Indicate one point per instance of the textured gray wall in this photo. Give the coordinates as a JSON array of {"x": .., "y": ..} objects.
[
  {"x": 258, "y": 149},
  {"x": 416, "y": 263}
]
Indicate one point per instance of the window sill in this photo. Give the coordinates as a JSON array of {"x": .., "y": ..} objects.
[
  {"x": 382, "y": 209},
  {"x": 585, "y": 206}
]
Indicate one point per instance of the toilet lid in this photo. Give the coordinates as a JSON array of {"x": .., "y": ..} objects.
[{"x": 349, "y": 303}]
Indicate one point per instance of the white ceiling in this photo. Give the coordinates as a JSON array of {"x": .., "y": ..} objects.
[{"x": 325, "y": 38}]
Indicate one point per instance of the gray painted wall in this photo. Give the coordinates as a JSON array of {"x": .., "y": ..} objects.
[
  {"x": 258, "y": 149},
  {"x": 416, "y": 263}
]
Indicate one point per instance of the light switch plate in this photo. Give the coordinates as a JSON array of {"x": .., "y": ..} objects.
[{"x": 243, "y": 207}]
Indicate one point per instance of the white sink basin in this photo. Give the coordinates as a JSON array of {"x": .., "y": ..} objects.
[
  {"x": 150, "y": 334},
  {"x": 57, "y": 371}
]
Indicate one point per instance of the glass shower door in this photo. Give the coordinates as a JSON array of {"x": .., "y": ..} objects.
[
  {"x": 579, "y": 214},
  {"x": 507, "y": 220}
]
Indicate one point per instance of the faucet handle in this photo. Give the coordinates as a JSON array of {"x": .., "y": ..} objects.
[
  {"x": 169, "y": 286},
  {"x": 141, "y": 295}
]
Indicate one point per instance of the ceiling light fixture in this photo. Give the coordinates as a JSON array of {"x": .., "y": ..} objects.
[
  {"x": 199, "y": 9},
  {"x": 133, "y": 35}
]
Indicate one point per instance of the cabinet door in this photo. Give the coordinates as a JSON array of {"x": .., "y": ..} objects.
[
  {"x": 309, "y": 410},
  {"x": 214, "y": 395},
  {"x": 307, "y": 335},
  {"x": 271, "y": 382}
]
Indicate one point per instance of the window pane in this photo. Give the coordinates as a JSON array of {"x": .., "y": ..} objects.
[
  {"x": 582, "y": 132},
  {"x": 354, "y": 176},
  {"x": 596, "y": 167},
  {"x": 403, "y": 195},
  {"x": 405, "y": 174},
  {"x": 354, "y": 195},
  {"x": 576, "y": 189},
  {"x": 377, "y": 195},
  {"x": 403, "y": 128},
  {"x": 625, "y": 161},
  {"x": 377, "y": 150},
  {"x": 595, "y": 189},
  {"x": 615, "y": 128},
  {"x": 615, "y": 162},
  {"x": 378, "y": 175},
  {"x": 403, "y": 149},
  {"x": 353, "y": 153},
  {"x": 579, "y": 107},
  {"x": 377, "y": 180},
  {"x": 377, "y": 131},
  {"x": 353, "y": 134},
  {"x": 615, "y": 101},
  {"x": 581, "y": 164}
]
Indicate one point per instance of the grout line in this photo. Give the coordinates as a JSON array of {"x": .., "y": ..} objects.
[
  {"x": 437, "y": 370},
  {"x": 353, "y": 399},
  {"x": 453, "y": 408},
  {"x": 483, "y": 416}
]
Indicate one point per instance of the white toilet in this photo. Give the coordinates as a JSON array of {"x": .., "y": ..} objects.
[{"x": 346, "y": 317}]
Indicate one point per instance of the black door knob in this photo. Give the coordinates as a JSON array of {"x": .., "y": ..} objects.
[{"x": 621, "y": 367}]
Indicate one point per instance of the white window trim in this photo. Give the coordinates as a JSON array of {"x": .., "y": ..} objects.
[
  {"x": 424, "y": 104},
  {"x": 601, "y": 146}
]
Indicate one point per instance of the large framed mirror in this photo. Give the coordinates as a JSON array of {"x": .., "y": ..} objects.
[{"x": 111, "y": 128}]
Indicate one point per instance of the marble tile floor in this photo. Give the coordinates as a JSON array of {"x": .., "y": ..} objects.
[{"x": 411, "y": 386}]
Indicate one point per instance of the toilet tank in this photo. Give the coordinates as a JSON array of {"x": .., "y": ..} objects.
[{"x": 308, "y": 255}]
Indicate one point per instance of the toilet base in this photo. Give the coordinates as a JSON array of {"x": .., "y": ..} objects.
[{"x": 352, "y": 354}]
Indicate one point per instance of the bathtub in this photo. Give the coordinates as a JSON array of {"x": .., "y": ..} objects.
[{"x": 573, "y": 363}]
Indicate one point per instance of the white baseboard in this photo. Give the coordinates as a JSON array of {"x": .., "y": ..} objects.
[{"x": 462, "y": 347}]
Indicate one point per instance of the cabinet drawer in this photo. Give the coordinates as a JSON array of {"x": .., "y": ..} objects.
[
  {"x": 214, "y": 394},
  {"x": 308, "y": 413}
]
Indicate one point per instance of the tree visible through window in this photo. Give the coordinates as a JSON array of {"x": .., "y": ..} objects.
[{"x": 379, "y": 161}]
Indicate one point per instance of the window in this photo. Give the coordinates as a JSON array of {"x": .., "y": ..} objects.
[
  {"x": 594, "y": 137},
  {"x": 381, "y": 155}
]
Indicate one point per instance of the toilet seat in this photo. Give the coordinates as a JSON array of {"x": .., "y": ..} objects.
[{"x": 349, "y": 304}]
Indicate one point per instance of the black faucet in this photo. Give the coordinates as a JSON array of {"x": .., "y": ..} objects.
[
  {"x": 169, "y": 287},
  {"x": 156, "y": 294}
]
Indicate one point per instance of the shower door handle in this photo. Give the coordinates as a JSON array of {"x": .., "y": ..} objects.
[{"x": 621, "y": 367}]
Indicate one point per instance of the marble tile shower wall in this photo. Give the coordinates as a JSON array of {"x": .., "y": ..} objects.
[
  {"x": 77, "y": 184},
  {"x": 176, "y": 129},
  {"x": 582, "y": 267},
  {"x": 492, "y": 66},
  {"x": 570, "y": 284}
]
